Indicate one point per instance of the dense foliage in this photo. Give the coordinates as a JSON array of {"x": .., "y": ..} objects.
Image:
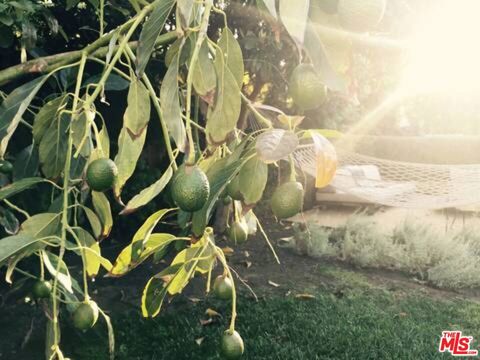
[{"x": 205, "y": 82}]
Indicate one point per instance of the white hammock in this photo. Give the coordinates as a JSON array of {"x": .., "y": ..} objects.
[{"x": 399, "y": 184}]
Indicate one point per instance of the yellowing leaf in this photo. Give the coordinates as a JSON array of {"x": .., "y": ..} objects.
[
  {"x": 252, "y": 179},
  {"x": 92, "y": 254},
  {"x": 224, "y": 116},
  {"x": 204, "y": 77},
  {"x": 232, "y": 53},
  {"x": 133, "y": 134},
  {"x": 102, "y": 209},
  {"x": 148, "y": 194},
  {"x": 170, "y": 104},
  {"x": 63, "y": 275}
]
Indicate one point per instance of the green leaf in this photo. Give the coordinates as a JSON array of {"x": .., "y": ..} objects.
[
  {"x": 170, "y": 104},
  {"x": 92, "y": 256},
  {"x": 276, "y": 144},
  {"x": 294, "y": 15},
  {"x": 137, "y": 114},
  {"x": 232, "y": 54},
  {"x": 94, "y": 222},
  {"x": 104, "y": 141},
  {"x": 185, "y": 8},
  {"x": 18, "y": 186},
  {"x": 253, "y": 178},
  {"x": 204, "y": 77},
  {"x": 114, "y": 82},
  {"x": 26, "y": 163},
  {"x": 151, "y": 29},
  {"x": 173, "y": 50},
  {"x": 102, "y": 209},
  {"x": 143, "y": 233},
  {"x": 41, "y": 225},
  {"x": 12, "y": 245},
  {"x": 129, "y": 151},
  {"x": 316, "y": 50},
  {"x": 13, "y": 108},
  {"x": 132, "y": 136},
  {"x": 46, "y": 116},
  {"x": 197, "y": 258},
  {"x": 223, "y": 119},
  {"x": 156, "y": 290},
  {"x": 219, "y": 175},
  {"x": 51, "y": 262},
  {"x": 148, "y": 194},
  {"x": 9, "y": 221},
  {"x": 53, "y": 148},
  {"x": 82, "y": 132},
  {"x": 155, "y": 243},
  {"x": 111, "y": 335}
]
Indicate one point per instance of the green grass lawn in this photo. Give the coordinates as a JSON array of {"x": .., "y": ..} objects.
[{"x": 359, "y": 322}]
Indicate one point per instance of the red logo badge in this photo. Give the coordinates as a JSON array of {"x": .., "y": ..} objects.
[{"x": 456, "y": 344}]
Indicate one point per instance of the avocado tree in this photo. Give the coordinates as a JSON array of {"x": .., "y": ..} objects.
[{"x": 215, "y": 156}]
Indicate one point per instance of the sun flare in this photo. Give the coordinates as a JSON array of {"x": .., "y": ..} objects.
[{"x": 444, "y": 51}]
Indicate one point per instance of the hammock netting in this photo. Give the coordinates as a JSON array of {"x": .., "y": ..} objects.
[{"x": 399, "y": 184}]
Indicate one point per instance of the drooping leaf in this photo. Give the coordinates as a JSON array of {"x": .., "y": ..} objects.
[
  {"x": 275, "y": 144},
  {"x": 151, "y": 29},
  {"x": 46, "y": 116},
  {"x": 12, "y": 245},
  {"x": 156, "y": 290},
  {"x": 18, "y": 186},
  {"x": 82, "y": 132},
  {"x": 155, "y": 243},
  {"x": 197, "y": 258},
  {"x": 94, "y": 222},
  {"x": 9, "y": 221},
  {"x": 170, "y": 104},
  {"x": 102, "y": 209},
  {"x": 143, "y": 233},
  {"x": 114, "y": 82},
  {"x": 104, "y": 141},
  {"x": 316, "y": 50},
  {"x": 294, "y": 15},
  {"x": 137, "y": 114},
  {"x": 148, "y": 194},
  {"x": 129, "y": 151},
  {"x": 204, "y": 77},
  {"x": 41, "y": 225},
  {"x": 111, "y": 335},
  {"x": 51, "y": 262},
  {"x": 185, "y": 7},
  {"x": 13, "y": 108},
  {"x": 26, "y": 163},
  {"x": 173, "y": 50},
  {"x": 77, "y": 166},
  {"x": 132, "y": 136},
  {"x": 223, "y": 119},
  {"x": 219, "y": 175},
  {"x": 92, "y": 256},
  {"x": 232, "y": 53},
  {"x": 253, "y": 179},
  {"x": 53, "y": 148}
]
